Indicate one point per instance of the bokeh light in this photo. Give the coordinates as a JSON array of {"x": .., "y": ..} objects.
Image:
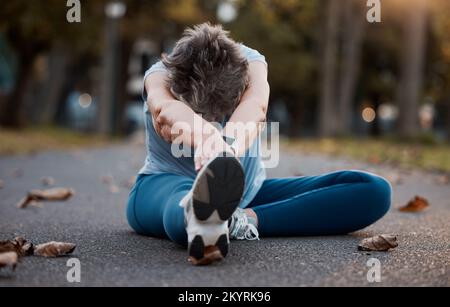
[
  {"x": 85, "y": 100},
  {"x": 227, "y": 11},
  {"x": 368, "y": 114}
]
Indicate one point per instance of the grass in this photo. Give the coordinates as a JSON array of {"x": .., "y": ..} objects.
[
  {"x": 418, "y": 154},
  {"x": 36, "y": 139},
  {"x": 422, "y": 155}
]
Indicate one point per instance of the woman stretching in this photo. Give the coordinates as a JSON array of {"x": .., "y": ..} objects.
[{"x": 204, "y": 184}]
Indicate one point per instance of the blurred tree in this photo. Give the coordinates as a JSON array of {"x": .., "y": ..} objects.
[
  {"x": 380, "y": 56},
  {"x": 353, "y": 19},
  {"x": 32, "y": 28},
  {"x": 161, "y": 21},
  {"x": 440, "y": 63},
  {"x": 412, "y": 67},
  {"x": 317, "y": 68},
  {"x": 327, "y": 120},
  {"x": 286, "y": 33}
]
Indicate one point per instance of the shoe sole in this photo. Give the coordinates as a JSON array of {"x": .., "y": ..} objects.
[
  {"x": 217, "y": 193},
  {"x": 199, "y": 254}
]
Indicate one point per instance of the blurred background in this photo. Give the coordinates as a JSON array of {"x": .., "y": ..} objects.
[
  {"x": 335, "y": 77},
  {"x": 348, "y": 94}
]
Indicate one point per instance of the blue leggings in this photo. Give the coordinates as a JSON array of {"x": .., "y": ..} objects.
[{"x": 331, "y": 204}]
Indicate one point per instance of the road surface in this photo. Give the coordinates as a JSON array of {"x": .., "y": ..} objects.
[{"x": 112, "y": 255}]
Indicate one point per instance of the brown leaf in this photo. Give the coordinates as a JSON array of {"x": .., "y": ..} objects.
[
  {"x": 36, "y": 204},
  {"x": 417, "y": 204},
  {"x": 9, "y": 246},
  {"x": 54, "y": 249},
  {"x": 394, "y": 178},
  {"x": 107, "y": 179},
  {"x": 26, "y": 246},
  {"x": 128, "y": 184},
  {"x": 374, "y": 159},
  {"x": 56, "y": 194},
  {"x": 443, "y": 180},
  {"x": 47, "y": 181},
  {"x": 19, "y": 245},
  {"x": 114, "y": 189},
  {"x": 9, "y": 259},
  {"x": 378, "y": 243},
  {"x": 24, "y": 202},
  {"x": 2, "y": 184}
]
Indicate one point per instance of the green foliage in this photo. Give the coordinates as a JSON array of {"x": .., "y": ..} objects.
[
  {"x": 287, "y": 32},
  {"x": 44, "y": 22},
  {"x": 414, "y": 154}
]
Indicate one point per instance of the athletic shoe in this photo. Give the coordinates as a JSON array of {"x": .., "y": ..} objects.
[
  {"x": 215, "y": 195},
  {"x": 243, "y": 227}
]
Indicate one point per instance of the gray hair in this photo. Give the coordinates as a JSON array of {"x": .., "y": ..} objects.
[{"x": 207, "y": 71}]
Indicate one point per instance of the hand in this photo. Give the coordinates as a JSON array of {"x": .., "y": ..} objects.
[{"x": 209, "y": 149}]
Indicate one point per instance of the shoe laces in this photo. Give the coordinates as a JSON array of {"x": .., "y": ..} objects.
[{"x": 241, "y": 228}]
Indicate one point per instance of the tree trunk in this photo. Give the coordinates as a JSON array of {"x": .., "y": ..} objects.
[
  {"x": 126, "y": 49},
  {"x": 354, "y": 19},
  {"x": 12, "y": 116},
  {"x": 76, "y": 75},
  {"x": 107, "y": 108},
  {"x": 58, "y": 73},
  {"x": 12, "y": 113},
  {"x": 295, "y": 122},
  {"x": 410, "y": 85},
  {"x": 327, "y": 120}
]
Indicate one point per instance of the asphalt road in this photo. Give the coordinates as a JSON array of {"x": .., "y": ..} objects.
[{"x": 112, "y": 255}]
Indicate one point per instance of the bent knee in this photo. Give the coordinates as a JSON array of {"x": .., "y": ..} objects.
[
  {"x": 379, "y": 195},
  {"x": 174, "y": 224},
  {"x": 142, "y": 221},
  {"x": 131, "y": 216}
]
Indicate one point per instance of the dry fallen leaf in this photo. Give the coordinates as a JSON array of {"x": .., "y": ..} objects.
[
  {"x": 54, "y": 249},
  {"x": 443, "y": 179},
  {"x": 417, "y": 204},
  {"x": 107, "y": 179},
  {"x": 394, "y": 178},
  {"x": 48, "y": 181},
  {"x": 114, "y": 189},
  {"x": 36, "y": 204},
  {"x": 56, "y": 194},
  {"x": 24, "y": 202},
  {"x": 26, "y": 246},
  {"x": 128, "y": 184},
  {"x": 19, "y": 245},
  {"x": 9, "y": 259},
  {"x": 378, "y": 243}
]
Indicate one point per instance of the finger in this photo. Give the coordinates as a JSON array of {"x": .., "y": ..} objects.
[{"x": 198, "y": 164}]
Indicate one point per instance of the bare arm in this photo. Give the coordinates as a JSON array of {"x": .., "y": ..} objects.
[
  {"x": 166, "y": 111},
  {"x": 252, "y": 109},
  {"x": 191, "y": 129}
]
